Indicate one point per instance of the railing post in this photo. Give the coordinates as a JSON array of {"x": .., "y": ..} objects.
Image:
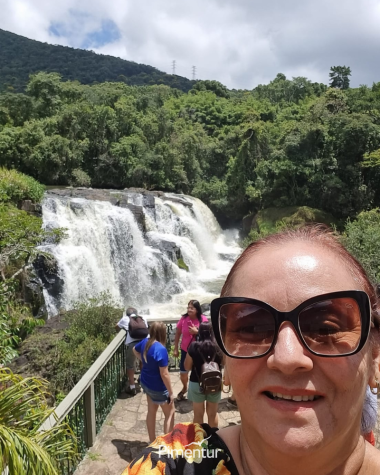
[{"x": 89, "y": 415}]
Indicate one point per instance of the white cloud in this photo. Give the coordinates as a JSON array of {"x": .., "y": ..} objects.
[{"x": 239, "y": 42}]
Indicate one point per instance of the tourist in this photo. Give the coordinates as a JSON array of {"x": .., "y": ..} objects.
[
  {"x": 134, "y": 336},
  {"x": 199, "y": 352},
  {"x": 155, "y": 377},
  {"x": 299, "y": 323},
  {"x": 188, "y": 328}
]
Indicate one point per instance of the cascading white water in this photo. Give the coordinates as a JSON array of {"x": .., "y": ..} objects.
[{"x": 106, "y": 250}]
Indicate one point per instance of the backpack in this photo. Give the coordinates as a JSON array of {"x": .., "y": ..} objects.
[
  {"x": 137, "y": 328},
  {"x": 210, "y": 380}
]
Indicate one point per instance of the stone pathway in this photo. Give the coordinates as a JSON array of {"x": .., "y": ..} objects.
[{"x": 124, "y": 432}]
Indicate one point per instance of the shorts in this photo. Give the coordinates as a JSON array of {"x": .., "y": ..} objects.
[
  {"x": 130, "y": 358},
  {"x": 194, "y": 394},
  {"x": 158, "y": 397},
  {"x": 182, "y": 361}
]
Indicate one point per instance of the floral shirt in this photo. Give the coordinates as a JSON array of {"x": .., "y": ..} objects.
[{"x": 189, "y": 449}]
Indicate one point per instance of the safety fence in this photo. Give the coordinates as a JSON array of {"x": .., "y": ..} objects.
[{"x": 88, "y": 404}]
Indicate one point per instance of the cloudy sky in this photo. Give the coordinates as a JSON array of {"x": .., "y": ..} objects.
[{"x": 241, "y": 43}]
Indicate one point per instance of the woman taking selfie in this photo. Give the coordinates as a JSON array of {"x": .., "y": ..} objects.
[
  {"x": 188, "y": 328},
  {"x": 298, "y": 321}
]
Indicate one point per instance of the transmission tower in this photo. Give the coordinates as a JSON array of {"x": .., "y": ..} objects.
[
  {"x": 194, "y": 71},
  {"x": 173, "y": 66}
]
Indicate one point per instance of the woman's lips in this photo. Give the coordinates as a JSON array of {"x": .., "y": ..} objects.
[
  {"x": 296, "y": 397},
  {"x": 292, "y": 398}
]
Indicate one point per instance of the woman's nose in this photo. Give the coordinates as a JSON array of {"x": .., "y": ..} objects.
[{"x": 289, "y": 354}]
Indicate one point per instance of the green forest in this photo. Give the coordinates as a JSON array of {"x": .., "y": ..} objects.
[
  {"x": 20, "y": 56},
  {"x": 289, "y": 143}
]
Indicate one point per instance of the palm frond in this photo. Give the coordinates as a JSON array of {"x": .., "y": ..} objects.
[{"x": 23, "y": 448}]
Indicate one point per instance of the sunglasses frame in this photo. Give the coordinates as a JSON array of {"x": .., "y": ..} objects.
[{"x": 360, "y": 297}]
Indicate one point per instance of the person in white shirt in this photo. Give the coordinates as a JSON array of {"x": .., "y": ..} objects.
[{"x": 130, "y": 344}]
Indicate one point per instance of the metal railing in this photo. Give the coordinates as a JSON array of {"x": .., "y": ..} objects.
[{"x": 88, "y": 404}]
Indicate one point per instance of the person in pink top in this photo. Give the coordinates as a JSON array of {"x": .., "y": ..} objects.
[{"x": 187, "y": 327}]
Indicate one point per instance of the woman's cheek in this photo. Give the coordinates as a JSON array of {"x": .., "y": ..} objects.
[{"x": 241, "y": 372}]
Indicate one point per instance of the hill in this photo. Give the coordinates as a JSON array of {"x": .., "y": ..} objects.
[{"x": 20, "y": 56}]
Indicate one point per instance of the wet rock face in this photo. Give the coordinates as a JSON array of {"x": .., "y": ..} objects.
[
  {"x": 33, "y": 295},
  {"x": 173, "y": 287},
  {"x": 170, "y": 248},
  {"x": 134, "y": 199},
  {"x": 30, "y": 207},
  {"x": 47, "y": 275},
  {"x": 113, "y": 196}
]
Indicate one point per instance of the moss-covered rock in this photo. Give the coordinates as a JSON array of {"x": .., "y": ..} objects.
[{"x": 182, "y": 264}]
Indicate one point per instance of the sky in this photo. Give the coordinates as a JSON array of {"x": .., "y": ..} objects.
[{"x": 241, "y": 43}]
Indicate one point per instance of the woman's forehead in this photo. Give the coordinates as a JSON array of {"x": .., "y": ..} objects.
[{"x": 291, "y": 273}]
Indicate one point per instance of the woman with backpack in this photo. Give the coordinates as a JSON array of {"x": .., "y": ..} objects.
[
  {"x": 204, "y": 359},
  {"x": 188, "y": 328},
  {"x": 155, "y": 378}
]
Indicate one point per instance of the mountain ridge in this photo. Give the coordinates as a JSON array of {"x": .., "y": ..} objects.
[{"x": 21, "y": 56}]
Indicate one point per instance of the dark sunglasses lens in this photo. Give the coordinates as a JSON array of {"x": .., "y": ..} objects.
[
  {"x": 246, "y": 330},
  {"x": 332, "y": 327}
]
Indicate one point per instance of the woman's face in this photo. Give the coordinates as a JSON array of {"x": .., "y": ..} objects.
[
  {"x": 191, "y": 311},
  {"x": 284, "y": 277}
]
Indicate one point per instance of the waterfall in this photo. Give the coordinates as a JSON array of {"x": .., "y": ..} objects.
[{"x": 139, "y": 263}]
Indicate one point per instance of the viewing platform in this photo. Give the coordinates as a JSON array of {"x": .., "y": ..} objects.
[{"x": 124, "y": 433}]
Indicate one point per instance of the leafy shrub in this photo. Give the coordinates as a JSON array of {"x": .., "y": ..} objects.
[
  {"x": 95, "y": 318},
  {"x": 20, "y": 234},
  {"x": 271, "y": 220},
  {"x": 80, "y": 178},
  {"x": 15, "y": 186},
  {"x": 73, "y": 360},
  {"x": 362, "y": 237},
  {"x": 64, "y": 358},
  {"x": 16, "y": 321}
]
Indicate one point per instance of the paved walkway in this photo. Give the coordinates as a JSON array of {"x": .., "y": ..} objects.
[{"x": 124, "y": 432}]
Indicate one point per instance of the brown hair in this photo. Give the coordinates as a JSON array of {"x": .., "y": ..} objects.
[
  {"x": 318, "y": 234},
  {"x": 157, "y": 332}
]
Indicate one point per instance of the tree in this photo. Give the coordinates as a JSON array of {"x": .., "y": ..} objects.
[
  {"x": 20, "y": 236},
  {"x": 23, "y": 408},
  {"x": 339, "y": 77},
  {"x": 215, "y": 86},
  {"x": 361, "y": 237}
]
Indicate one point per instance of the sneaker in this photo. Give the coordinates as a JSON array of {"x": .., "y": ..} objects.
[
  {"x": 131, "y": 391},
  {"x": 181, "y": 396}
]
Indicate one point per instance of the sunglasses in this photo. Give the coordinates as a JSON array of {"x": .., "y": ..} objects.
[{"x": 330, "y": 325}]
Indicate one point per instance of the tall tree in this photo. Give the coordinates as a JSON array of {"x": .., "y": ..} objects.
[{"x": 339, "y": 77}]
